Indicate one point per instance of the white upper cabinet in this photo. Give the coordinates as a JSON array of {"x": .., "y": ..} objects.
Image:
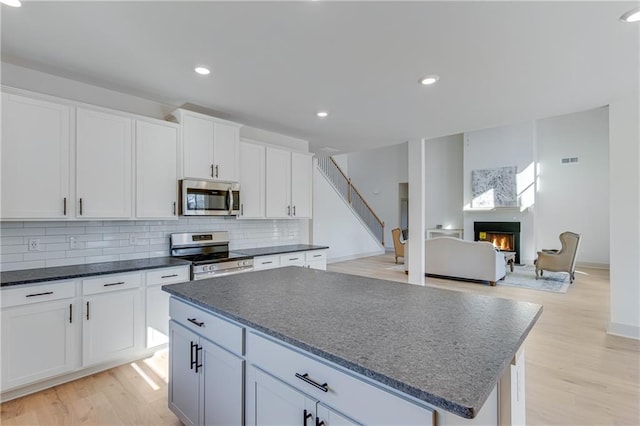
[
  {"x": 252, "y": 185},
  {"x": 156, "y": 170},
  {"x": 288, "y": 184},
  {"x": 301, "y": 184},
  {"x": 103, "y": 165},
  {"x": 278, "y": 183},
  {"x": 210, "y": 146},
  {"x": 35, "y": 159}
]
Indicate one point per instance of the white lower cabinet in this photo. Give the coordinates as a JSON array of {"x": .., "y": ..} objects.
[
  {"x": 112, "y": 323},
  {"x": 157, "y": 302},
  {"x": 40, "y": 338},
  {"x": 206, "y": 382}
]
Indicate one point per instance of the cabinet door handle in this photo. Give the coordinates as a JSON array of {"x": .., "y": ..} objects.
[
  {"x": 196, "y": 322},
  {"x": 87, "y": 311},
  {"x": 70, "y": 313},
  {"x": 241, "y": 209},
  {"x": 294, "y": 210},
  {"x": 169, "y": 276},
  {"x": 46, "y": 293},
  {"x": 216, "y": 170},
  {"x": 80, "y": 206},
  {"x": 64, "y": 206},
  {"x": 305, "y": 416},
  {"x": 212, "y": 171},
  {"x": 305, "y": 378},
  {"x": 110, "y": 284},
  {"x": 318, "y": 422},
  {"x": 191, "y": 357},
  {"x": 198, "y": 352},
  {"x": 174, "y": 208},
  {"x": 288, "y": 210}
]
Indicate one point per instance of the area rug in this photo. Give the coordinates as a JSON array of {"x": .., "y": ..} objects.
[{"x": 524, "y": 276}]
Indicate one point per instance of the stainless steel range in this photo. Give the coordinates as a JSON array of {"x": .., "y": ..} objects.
[{"x": 209, "y": 254}]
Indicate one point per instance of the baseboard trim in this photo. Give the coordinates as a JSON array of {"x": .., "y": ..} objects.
[
  {"x": 30, "y": 388},
  {"x": 624, "y": 330},
  {"x": 593, "y": 265},
  {"x": 354, "y": 256}
]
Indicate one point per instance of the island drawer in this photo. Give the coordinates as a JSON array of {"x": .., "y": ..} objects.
[
  {"x": 292, "y": 259},
  {"x": 168, "y": 275},
  {"x": 316, "y": 256},
  {"x": 28, "y": 294},
  {"x": 364, "y": 402},
  {"x": 208, "y": 325}
]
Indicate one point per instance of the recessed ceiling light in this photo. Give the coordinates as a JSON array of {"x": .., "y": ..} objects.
[
  {"x": 631, "y": 16},
  {"x": 12, "y": 3},
  {"x": 430, "y": 79},
  {"x": 322, "y": 114},
  {"x": 202, "y": 70}
]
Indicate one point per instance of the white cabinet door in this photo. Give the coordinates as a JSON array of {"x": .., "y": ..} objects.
[
  {"x": 156, "y": 170},
  {"x": 223, "y": 385},
  {"x": 38, "y": 341},
  {"x": 278, "y": 183},
  {"x": 103, "y": 165},
  {"x": 332, "y": 418},
  {"x": 272, "y": 402},
  {"x": 112, "y": 326},
  {"x": 35, "y": 159},
  {"x": 184, "y": 386},
  {"x": 252, "y": 185},
  {"x": 157, "y": 316},
  {"x": 197, "y": 143},
  {"x": 226, "y": 140},
  {"x": 301, "y": 183}
]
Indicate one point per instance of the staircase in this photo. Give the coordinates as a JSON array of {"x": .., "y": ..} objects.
[{"x": 352, "y": 196}]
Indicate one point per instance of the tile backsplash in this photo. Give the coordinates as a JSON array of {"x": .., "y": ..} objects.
[{"x": 73, "y": 243}]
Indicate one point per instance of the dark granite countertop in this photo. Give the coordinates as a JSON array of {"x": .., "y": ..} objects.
[
  {"x": 266, "y": 251},
  {"x": 443, "y": 347},
  {"x": 28, "y": 276}
]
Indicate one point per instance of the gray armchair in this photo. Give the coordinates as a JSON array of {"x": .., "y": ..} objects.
[{"x": 563, "y": 260}]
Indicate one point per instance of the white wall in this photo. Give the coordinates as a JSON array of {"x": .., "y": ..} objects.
[
  {"x": 335, "y": 224},
  {"x": 376, "y": 173},
  {"x": 500, "y": 147},
  {"x": 574, "y": 196},
  {"x": 443, "y": 182},
  {"x": 624, "y": 184},
  {"x": 106, "y": 241}
]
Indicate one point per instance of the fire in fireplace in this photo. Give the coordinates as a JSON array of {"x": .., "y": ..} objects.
[
  {"x": 504, "y": 235},
  {"x": 502, "y": 240}
]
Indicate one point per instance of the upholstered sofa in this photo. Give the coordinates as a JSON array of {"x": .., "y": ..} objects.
[{"x": 470, "y": 260}]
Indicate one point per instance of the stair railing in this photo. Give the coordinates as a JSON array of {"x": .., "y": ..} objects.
[{"x": 350, "y": 193}]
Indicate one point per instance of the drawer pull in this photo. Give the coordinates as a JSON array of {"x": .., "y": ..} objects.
[
  {"x": 110, "y": 284},
  {"x": 294, "y": 258},
  {"x": 195, "y": 321},
  {"x": 305, "y": 378},
  {"x": 305, "y": 416},
  {"x": 169, "y": 276},
  {"x": 267, "y": 263},
  {"x": 317, "y": 255},
  {"x": 46, "y": 293}
]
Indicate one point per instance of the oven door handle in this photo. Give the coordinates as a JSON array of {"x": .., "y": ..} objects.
[{"x": 222, "y": 274}]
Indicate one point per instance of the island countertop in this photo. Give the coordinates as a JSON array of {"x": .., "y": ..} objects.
[{"x": 443, "y": 347}]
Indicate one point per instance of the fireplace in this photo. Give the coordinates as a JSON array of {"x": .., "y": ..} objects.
[{"x": 503, "y": 235}]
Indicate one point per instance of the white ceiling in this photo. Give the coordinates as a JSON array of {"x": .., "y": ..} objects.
[{"x": 275, "y": 64}]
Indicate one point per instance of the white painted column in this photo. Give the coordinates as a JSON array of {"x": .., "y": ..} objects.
[
  {"x": 415, "y": 244},
  {"x": 624, "y": 225}
]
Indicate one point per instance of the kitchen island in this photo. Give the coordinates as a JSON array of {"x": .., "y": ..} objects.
[{"x": 353, "y": 349}]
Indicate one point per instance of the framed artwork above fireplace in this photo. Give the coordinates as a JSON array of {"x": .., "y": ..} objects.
[{"x": 494, "y": 187}]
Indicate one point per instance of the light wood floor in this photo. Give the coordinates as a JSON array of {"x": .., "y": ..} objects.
[{"x": 576, "y": 373}]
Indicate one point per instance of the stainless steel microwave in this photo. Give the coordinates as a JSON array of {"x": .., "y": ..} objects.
[{"x": 209, "y": 198}]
